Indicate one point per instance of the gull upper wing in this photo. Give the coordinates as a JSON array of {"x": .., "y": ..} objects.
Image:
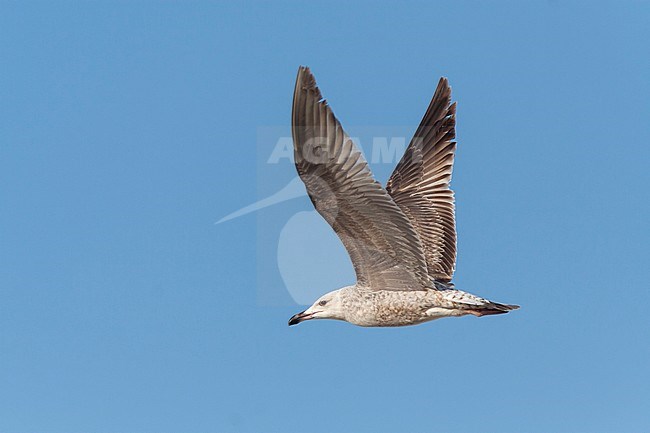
[
  {"x": 420, "y": 183},
  {"x": 384, "y": 247}
]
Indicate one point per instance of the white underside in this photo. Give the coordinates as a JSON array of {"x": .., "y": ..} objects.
[{"x": 439, "y": 312}]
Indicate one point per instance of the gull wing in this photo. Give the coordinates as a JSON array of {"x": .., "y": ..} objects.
[
  {"x": 383, "y": 245},
  {"x": 420, "y": 184}
]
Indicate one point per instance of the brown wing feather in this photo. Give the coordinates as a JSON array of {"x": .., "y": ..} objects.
[
  {"x": 420, "y": 184},
  {"x": 384, "y": 247}
]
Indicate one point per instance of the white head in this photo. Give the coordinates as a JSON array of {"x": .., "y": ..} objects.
[{"x": 328, "y": 306}]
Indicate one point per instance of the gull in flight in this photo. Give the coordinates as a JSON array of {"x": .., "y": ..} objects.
[{"x": 402, "y": 238}]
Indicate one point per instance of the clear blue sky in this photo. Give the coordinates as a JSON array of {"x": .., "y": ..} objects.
[{"x": 128, "y": 129}]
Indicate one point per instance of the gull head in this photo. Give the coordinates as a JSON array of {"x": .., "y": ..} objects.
[{"x": 328, "y": 306}]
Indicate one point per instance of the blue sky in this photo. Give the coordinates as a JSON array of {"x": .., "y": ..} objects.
[{"x": 127, "y": 129}]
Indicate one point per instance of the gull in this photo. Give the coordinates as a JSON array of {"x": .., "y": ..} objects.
[{"x": 402, "y": 238}]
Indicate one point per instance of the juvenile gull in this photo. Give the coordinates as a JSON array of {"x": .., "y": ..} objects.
[{"x": 402, "y": 238}]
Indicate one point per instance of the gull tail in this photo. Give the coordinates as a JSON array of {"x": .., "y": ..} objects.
[
  {"x": 475, "y": 305},
  {"x": 493, "y": 308}
]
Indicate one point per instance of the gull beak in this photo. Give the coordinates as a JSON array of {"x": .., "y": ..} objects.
[{"x": 300, "y": 317}]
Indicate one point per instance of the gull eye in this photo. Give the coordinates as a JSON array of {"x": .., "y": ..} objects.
[{"x": 322, "y": 303}]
